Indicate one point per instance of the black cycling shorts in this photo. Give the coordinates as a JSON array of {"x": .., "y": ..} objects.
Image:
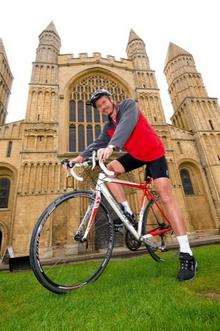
[{"x": 156, "y": 169}]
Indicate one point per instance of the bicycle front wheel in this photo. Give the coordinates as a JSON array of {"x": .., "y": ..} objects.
[{"x": 60, "y": 261}]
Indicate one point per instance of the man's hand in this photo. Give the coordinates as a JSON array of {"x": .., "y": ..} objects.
[
  {"x": 78, "y": 159},
  {"x": 105, "y": 153}
]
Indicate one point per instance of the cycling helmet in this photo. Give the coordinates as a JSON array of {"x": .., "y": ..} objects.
[{"x": 98, "y": 94}]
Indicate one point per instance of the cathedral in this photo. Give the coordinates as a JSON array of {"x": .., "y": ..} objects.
[{"x": 59, "y": 124}]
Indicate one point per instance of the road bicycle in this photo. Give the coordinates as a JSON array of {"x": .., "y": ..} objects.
[{"x": 73, "y": 239}]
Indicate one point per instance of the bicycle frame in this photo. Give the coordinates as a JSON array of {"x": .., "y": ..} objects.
[{"x": 101, "y": 188}]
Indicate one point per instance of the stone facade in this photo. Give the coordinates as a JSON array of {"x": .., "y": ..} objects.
[{"x": 59, "y": 124}]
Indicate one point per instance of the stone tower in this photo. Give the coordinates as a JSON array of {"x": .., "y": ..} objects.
[
  {"x": 43, "y": 90},
  {"x": 196, "y": 112},
  {"x": 146, "y": 90},
  {"x": 6, "y": 79}
]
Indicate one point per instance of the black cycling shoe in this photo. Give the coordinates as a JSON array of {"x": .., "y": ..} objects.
[{"x": 188, "y": 266}]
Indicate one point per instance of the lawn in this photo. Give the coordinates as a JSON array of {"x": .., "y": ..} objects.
[{"x": 132, "y": 294}]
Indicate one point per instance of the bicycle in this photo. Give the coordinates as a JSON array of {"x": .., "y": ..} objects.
[{"x": 73, "y": 239}]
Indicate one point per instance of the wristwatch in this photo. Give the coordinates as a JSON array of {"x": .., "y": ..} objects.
[{"x": 112, "y": 146}]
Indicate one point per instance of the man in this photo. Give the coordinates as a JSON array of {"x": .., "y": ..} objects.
[{"x": 127, "y": 128}]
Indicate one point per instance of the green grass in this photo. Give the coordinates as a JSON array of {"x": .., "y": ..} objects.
[{"x": 132, "y": 294}]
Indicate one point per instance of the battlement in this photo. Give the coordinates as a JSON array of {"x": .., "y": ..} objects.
[{"x": 96, "y": 57}]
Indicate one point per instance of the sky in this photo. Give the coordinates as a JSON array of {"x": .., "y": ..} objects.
[{"x": 104, "y": 26}]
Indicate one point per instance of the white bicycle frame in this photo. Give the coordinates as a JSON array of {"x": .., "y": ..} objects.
[{"x": 104, "y": 177}]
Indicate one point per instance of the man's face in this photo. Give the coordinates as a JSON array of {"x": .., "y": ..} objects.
[{"x": 104, "y": 105}]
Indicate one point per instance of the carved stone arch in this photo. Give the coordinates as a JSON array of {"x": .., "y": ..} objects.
[{"x": 115, "y": 77}]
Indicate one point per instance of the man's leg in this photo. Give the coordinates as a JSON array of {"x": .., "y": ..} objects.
[
  {"x": 117, "y": 189},
  {"x": 172, "y": 210},
  {"x": 173, "y": 213}
]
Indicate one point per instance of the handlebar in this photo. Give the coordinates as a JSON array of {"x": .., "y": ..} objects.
[{"x": 91, "y": 161}]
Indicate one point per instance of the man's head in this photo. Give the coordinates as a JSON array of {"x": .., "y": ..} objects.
[{"x": 102, "y": 100}]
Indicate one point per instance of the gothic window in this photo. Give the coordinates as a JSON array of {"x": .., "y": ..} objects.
[
  {"x": 186, "y": 182},
  {"x": 89, "y": 134},
  {"x": 97, "y": 130},
  {"x": 72, "y": 138},
  {"x": 80, "y": 93},
  {"x": 81, "y": 138},
  {"x": 72, "y": 111},
  {"x": 96, "y": 115},
  {"x": 4, "y": 192},
  {"x": 88, "y": 112},
  {"x": 104, "y": 118},
  {"x": 80, "y": 111}
]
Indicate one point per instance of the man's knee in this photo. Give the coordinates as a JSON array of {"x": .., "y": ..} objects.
[
  {"x": 116, "y": 166},
  {"x": 163, "y": 188}
]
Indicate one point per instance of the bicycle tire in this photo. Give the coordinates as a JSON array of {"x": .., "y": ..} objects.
[{"x": 40, "y": 265}]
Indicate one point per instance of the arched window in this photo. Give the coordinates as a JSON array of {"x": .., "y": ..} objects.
[
  {"x": 80, "y": 91},
  {"x": 104, "y": 117},
  {"x": 72, "y": 138},
  {"x": 88, "y": 113},
  {"x": 81, "y": 138},
  {"x": 4, "y": 192},
  {"x": 96, "y": 115},
  {"x": 186, "y": 181},
  {"x": 97, "y": 130},
  {"x": 72, "y": 111},
  {"x": 80, "y": 111},
  {"x": 89, "y": 135}
]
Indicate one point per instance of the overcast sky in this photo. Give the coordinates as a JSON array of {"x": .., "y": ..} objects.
[{"x": 103, "y": 26}]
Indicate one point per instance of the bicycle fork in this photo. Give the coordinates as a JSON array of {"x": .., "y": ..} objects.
[{"x": 91, "y": 214}]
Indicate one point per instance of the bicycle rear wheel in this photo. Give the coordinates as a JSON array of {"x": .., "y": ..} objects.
[
  {"x": 153, "y": 223},
  {"x": 61, "y": 262}
]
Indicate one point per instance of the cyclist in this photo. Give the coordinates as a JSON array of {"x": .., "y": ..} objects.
[{"x": 127, "y": 128}]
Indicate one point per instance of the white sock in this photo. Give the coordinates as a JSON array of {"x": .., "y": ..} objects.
[
  {"x": 184, "y": 244},
  {"x": 127, "y": 207}
]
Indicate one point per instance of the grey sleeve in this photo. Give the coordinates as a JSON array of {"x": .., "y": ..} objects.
[
  {"x": 126, "y": 124},
  {"x": 101, "y": 142}
]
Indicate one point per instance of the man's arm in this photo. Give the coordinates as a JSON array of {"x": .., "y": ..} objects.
[
  {"x": 101, "y": 142},
  {"x": 126, "y": 124}
]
